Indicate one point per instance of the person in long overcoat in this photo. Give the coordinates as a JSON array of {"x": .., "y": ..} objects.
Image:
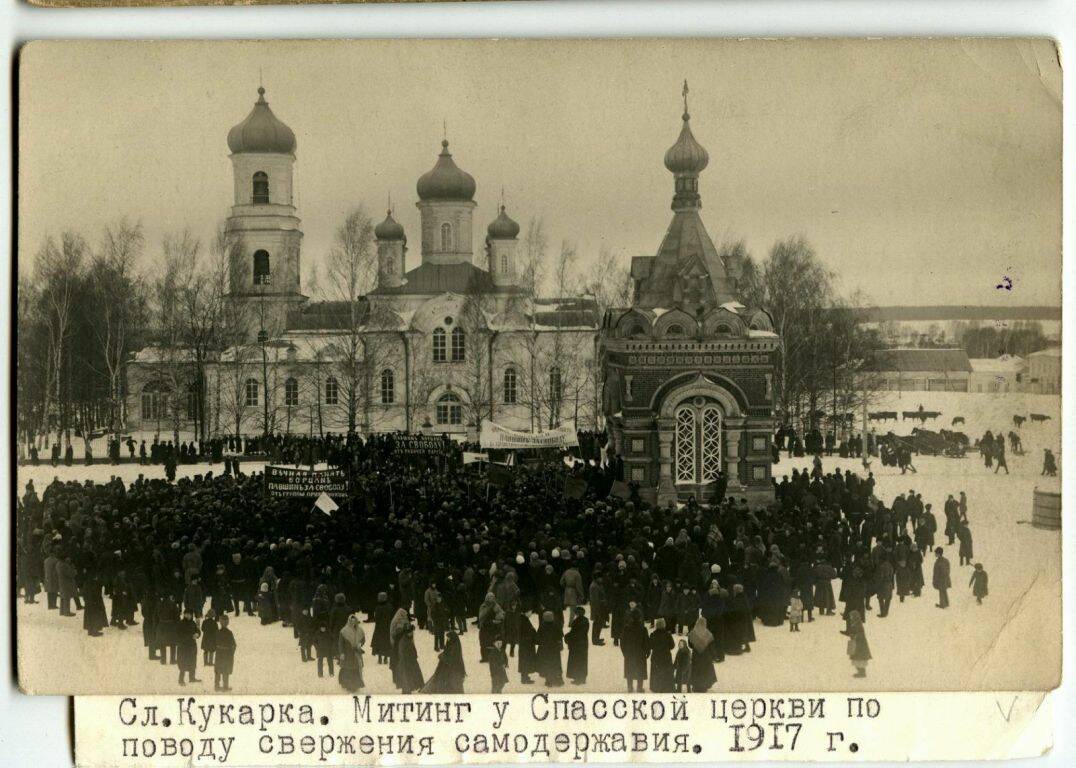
[
  {"x": 67, "y": 577},
  {"x": 167, "y": 619},
  {"x": 498, "y": 665},
  {"x": 408, "y": 673},
  {"x": 266, "y": 604},
  {"x": 635, "y": 645},
  {"x": 682, "y": 666},
  {"x": 224, "y": 658},
  {"x": 661, "y": 661},
  {"x": 853, "y": 594},
  {"x": 702, "y": 660},
  {"x": 528, "y": 652},
  {"x": 824, "y": 574},
  {"x": 401, "y": 620},
  {"x": 574, "y": 592},
  {"x": 187, "y": 633},
  {"x": 352, "y": 639},
  {"x": 859, "y": 651},
  {"x": 209, "y": 637},
  {"x": 381, "y": 644},
  {"x": 94, "y": 618},
  {"x": 739, "y": 628},
  {"x": 941, "y": 580},
  {"x": 149, "y": 624},
  {"x": 578, "y": 641},
  {"x": 52, "y": 578},
  {"x": 979, "y": 583},
  {"x": 450, "y": 673},
  {"x": 490, "y": 623},
  {"x": 550, "y": 645},
  {"x": 966, "y": 551},
  {"x": 599, "y": 610}
]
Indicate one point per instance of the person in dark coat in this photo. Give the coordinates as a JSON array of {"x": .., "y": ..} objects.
[
  {"x": 187, "y": 646},
  {"x": 823, "y": 575},
  {"x": 381, "y": 645},
  {"x": 67, "y": 576},
  {"x": 149, "y": 624},
  {"x": 550, "y": 644},
  {"x": 578, "y": 641},
  {"x": 966, "y": 551},
  {"x": 528, "y": 652},
  {"x": 635, "y": 645},
  {"x": 450, "y": 673},
  {"x": 979, "y": 583},
  {"x": 701, "y": 641},
  {"x": 209, "y": 637},
  {"x": 883, "y": 587},
  {"x": 304, "y": 628},
  {"x": 94, "y": 618},
  {"x": 739, "y": 629},
  {"x": 661, "y": 660},
  {"x": 853, "y": 594},
  {"x": 498, "y": 665},
  {"x": 682, "y": 667},
  {"x": 324, "y": 645},
  {"x": 351, "y": 641},
  {"x": 224, "y": 658},
  {"x": 858, "y": 650},
  {"x": 941, "y": 580},
  {"x": 599, "y": 611},
  {"x": 167, "y": 621},
  {"x": 408, "y": 672}
]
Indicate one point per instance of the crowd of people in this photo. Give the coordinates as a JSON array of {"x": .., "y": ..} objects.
[{"x": 426, "y": 548}]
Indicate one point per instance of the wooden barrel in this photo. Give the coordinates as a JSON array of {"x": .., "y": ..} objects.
[{"x": 1046, "y": 509}]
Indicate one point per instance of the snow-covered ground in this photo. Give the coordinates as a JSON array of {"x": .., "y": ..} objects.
[{"x": 917, "y": 647}]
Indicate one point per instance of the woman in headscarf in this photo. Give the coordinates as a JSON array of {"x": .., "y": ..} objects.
[
  {"x": 450, "y": 672},
  {"x": 266, "y": 604},
  {"x": 713, "y": 610},
  {"x": 407, "y": 675},
  {"x": 577, "y": 640},
  {"x": 635, "y": 645},
  {"x": 858, "y": 650},
  {"x": 550, "y": 644},
  {"x": 381, "y": 645},
  {"x": 352, "y": 640},
  {"x": 269, "y": 578},
  {"x": 661, "y": 663},
  {"x": 508, "y": 597},
  {"x": 400, "y": 622},
  {"x": 490, "y": 621},
  {"x": 702, "y": 657}
]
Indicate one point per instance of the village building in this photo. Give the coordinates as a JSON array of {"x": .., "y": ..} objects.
[
  {"x": 1004, "y": 373},
  {"x": 920, "y": 370},
  {"x": 1044, "y": 372},
  {"x": 688, "y": 396}
]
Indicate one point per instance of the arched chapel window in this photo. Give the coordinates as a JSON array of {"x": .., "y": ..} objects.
[
  {"x": 262, "y": 275},
  {"x": 446, "y": 237},
  {"x": 260, "y": 188}
]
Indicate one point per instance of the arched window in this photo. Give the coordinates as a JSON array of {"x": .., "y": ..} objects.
[
  {"x": 555, "y": 389},
  {"x": 446, "y": 237},
  {"x": 697, "y": 444},
  {"x": 291, "y": 392},
  {"x": 439, "y": 345},
  {"x": 509, "y": 386},
  {"x": 674, "y": 331},
  {"x": 192, "y": 401},
  {"x": 260, "y": 188},
  {"x": 723, "y": 329},
  {"x": 459, "y": 345},
  {"x": 388, "y": 386},
  {"x": 250, "y": 392},
  {"x": 332, "y": 391},
  {"x": 262, "y": 275},
  {"x": 449, "y": 409},
  {"x": 504, "y": 263},
  {"x": 636, "y": 331}
]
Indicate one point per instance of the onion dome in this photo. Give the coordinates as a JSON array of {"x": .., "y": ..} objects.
[
  {"x": 261, "y": 132},
  {"x": 686, "y": 156},
  {"x": 446, "y": 181},
  {"x": 502, "y": 227},
  {"x": 389, "y": 229}
]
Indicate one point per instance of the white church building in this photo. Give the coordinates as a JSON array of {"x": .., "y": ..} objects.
[{"x": 442, "y": 346}]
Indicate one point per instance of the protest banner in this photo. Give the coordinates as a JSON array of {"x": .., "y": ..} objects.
[
  {"x": 495, "y": 436},
  {"x": 291, "y": 482}
]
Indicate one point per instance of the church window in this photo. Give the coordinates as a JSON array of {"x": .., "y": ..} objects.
[
  {"x": 262, "y": 275},
  {"x": 637, "y": 331},
  {"x": 449, "y": 410},
  {"x": 332, "y": 391},
  {"x": 291, "y": 392},
  {"x": 260, "y": 191},
  {"x": 510, "y": 385},
  {"x": 250, "y": 392},
  {"x": 504, "y": 263},
  {"x": 697, "y": 444},
  {"x": 723, "y": 329},
  {"x": 446, "y": 237},
  {"x": 459, "y": 345},
  {"x": 675, "y": 331},
  {"x": 556, "y": 390},
  {"x": 439, "y": 345},
  {"x": 388, "y": 386},
  {"x": 154, "y": 402}
]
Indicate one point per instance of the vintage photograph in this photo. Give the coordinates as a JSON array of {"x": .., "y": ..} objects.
[{"x": 518, "y": 366}]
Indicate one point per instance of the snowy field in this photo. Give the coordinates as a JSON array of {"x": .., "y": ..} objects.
[{"x": 917, "y": 647}]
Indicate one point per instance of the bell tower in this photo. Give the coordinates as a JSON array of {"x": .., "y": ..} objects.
[{"x": 263, "y": 230}]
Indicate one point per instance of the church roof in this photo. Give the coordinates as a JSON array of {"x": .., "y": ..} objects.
[
  {"x": 461, "y": 278},
  {"x": 327, "y": 315},
  {"x": 686, "y": 256},
  {"x": 931, "y": 360},
  {"x": 445, "y": 181},
  {"x": 261, "y": 131}
]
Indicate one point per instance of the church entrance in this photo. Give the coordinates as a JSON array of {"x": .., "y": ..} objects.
[{"x": 697, "y": 442}]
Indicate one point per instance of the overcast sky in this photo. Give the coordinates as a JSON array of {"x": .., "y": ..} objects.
[{"x": 922, "y": 171}]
